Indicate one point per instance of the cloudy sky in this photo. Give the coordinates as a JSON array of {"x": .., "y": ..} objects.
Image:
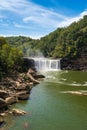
[{"x": 37, "y": 18}]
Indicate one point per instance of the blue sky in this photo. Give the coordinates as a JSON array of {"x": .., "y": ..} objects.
[{"x": 37, "y": 18}]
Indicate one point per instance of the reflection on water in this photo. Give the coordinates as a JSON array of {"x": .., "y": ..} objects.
[{"x": 58, "y": 103}]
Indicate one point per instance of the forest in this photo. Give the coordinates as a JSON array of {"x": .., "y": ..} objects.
[
  {"x": 11, "y": 58},
  {"x": 68, "y": 42}
]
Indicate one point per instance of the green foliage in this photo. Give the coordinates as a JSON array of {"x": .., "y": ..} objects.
[
  {"x": 25, "y": 44},
  {"x": 63, "y": 42},
  {"x": 2, "y": 42},
  {"x": 10, "y": 58}
]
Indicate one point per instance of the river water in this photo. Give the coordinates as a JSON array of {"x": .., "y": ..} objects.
[{"x": 57, "y": 103}]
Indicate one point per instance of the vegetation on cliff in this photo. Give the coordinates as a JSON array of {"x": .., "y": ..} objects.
[{"x": 68, "y": 42}]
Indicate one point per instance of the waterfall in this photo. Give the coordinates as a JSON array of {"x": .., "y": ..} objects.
[{"x": 47, "y": 64}]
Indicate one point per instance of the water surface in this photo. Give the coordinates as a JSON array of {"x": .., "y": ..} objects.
[{"x": 58, "y": 103}]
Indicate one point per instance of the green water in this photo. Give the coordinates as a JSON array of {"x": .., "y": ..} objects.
[{"x": 53, "y": 106}]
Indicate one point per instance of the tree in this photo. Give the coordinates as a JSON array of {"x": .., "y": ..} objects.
[{"x": 10, "y": 58}]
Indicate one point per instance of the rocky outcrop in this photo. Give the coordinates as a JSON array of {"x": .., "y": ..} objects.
[
  {"x": 4, "y": 94},
  {"x": 30, "y": 74},
  {"x": 23, "y": 87},
  {"x": 38, "y": 76},
  {"x": 28, "y": 63},
  {"x": 18, "y": 112},
  {"x": 9, "y": 94},
  {"x": 11, "y": 100},
  {"x": 1, "y": 121},
  {"x": 3, "y": 104},
  {"x": 23, "y": 95},
  {"x": 74, "y": 63},
  {"x": 17, "y": 87}
]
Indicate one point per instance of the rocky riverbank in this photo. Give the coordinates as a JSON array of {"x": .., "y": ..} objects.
[
  {"x": 14, "y": 88},
  {"x": 74, "y": 63}
]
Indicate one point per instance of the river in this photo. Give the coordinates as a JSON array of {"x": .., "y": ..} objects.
[{"x": 57, "y": 103}]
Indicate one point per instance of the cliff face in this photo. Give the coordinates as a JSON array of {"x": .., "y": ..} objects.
[
  {"x": 78, "y": 63},
  {"x": 74, "y": 64},
  {"x": 28, "y": 63}
]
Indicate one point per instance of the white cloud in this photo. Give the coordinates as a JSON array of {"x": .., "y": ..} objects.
[
  {"x": 25, "y": 27},
  {"x": 30, "y": 16},
  {"x": 71, "y": 20},
  {"x": 12, "y": 5},
  {"x": 1, "y": 17},
  {"x": 83, "y": 13},
  {"x": 31, "y": 12},
  {"x": 21, "y": 26}
]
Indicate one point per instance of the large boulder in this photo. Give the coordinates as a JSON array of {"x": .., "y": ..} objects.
[
  {"x": 11, "y": 100},
  {"x": 18, "y": 112},
  {"x": 23, "y": 87},
  {"x": 28, "y": 63},
  {"x": 39, "y": 76},
  {"x": 23, "y": 95},
  {"x": 74, "y": 63},
  {"x": 1, "y": 120},
  {"x": 4, "y": 94}
]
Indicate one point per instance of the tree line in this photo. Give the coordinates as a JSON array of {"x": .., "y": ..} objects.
[{"x": 68, "y": 42}]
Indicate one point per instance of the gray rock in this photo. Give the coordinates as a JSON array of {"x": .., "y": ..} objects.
[
  {"x": 23, "y": 95},
  {"x": 1, "y": 120},
  {"x": 18, "y": 112},
  {"x": 3, "y": 104},
  {"x": 3, "y": 94},
  {"x": 23, "y": 87},
  {"x": 11, "y": 100}
]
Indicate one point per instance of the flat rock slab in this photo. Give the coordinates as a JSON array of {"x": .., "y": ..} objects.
[{"x": 18, "y": 112}]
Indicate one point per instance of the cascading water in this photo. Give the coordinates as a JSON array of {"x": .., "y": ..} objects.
[{"x": 47, "y": 64}]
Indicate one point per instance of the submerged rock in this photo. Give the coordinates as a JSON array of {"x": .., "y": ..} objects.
[
  {"x": 1, "y": 121},
  {"x": 18, "y": 112},
  {"x": 3, "y": 94},
  {"x": 39, "y": 76}
]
